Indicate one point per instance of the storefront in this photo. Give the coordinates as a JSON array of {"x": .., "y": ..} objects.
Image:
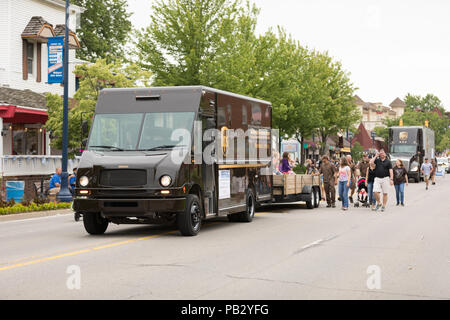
[{"x": 22, "y": 130}]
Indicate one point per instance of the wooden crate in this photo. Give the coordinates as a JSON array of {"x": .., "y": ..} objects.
[{"x": 293, "y": 183}]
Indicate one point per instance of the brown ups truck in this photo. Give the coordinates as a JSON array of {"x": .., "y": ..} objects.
[{"x": 180, "y": 155}]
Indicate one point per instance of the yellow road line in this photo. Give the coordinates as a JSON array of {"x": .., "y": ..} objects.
[
  {"x": 97, "y": 248},
  {"x": 116, "y": 244}
]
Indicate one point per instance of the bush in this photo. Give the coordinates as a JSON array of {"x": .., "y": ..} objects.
[
  {"x": 300, "y": 169},
  {"x": 21, "y": 208}
]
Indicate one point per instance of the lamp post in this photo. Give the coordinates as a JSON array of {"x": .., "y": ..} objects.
[{"x": 64, "y": 194}]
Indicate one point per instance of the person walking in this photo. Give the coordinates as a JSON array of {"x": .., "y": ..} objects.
[
  {"x": 433, "y": 173},
  {"x": 345, "y": 176},
  {"x": 363, "y": 165},
  {"x": 400, "y": 179},
  {"x": 370, "y": 178},
  {"x": 427, "y": 169},
  {"x": 384, "y": 176},
  {"x": 352, "y": 166},
  {"x": 328, "y": 173}
]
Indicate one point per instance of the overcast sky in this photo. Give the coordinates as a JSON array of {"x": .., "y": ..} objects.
[{"x": 390, "y": 47}]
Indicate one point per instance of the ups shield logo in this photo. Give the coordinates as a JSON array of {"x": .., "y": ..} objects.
[{"x": 403, "y": 136}]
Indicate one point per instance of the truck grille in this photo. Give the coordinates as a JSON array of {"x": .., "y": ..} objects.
[{"x": 123, "y": 178}]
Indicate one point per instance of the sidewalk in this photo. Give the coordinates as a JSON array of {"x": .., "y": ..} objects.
[{"x": 35, "y": 214}]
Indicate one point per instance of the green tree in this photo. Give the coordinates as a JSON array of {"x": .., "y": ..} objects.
[
  {"x": 357, "y": 151},
  {"x": 104, "y": 30},
  {"x": 425, "y": 104},
  {"x": 93, "y": 78},
  {"x": 335, "y": 109},
  {"x": 183, "y": 38}
]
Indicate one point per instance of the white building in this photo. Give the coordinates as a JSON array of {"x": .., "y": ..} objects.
[{"x": 25, "y": 26}]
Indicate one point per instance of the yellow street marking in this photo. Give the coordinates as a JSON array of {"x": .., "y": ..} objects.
[
  {"x": 18, "y": 265},
  {"x": 111, "y": 245}
]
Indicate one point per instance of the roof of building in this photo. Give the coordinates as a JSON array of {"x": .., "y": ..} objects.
[
  {"x": 35, "y": 25},
  {"x": 60, "y": 30},
  {"x": 363, "y": 138},
  {"x": 24, "y": 98},
  {"x": 398, "y": 103},
  {"x": 358, "y": 100}
]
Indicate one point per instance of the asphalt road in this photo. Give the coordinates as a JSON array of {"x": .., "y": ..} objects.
[{"x": 287, "y": 252}]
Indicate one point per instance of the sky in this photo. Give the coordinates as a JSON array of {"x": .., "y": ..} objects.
[{"x": 389, "y": 47}]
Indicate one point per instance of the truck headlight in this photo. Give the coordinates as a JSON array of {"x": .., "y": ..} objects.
[
  {"x": 84, "y": 181},
  {"x": 165, "y": 181}
]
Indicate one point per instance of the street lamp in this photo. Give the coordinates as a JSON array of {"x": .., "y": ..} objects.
[{"x": 64, "y": 194}]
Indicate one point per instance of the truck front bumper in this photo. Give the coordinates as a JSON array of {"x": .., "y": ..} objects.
[{"x": 130, "y": 207}]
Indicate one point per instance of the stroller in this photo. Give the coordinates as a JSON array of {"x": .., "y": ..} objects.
[{"x": 363, "y": 195}]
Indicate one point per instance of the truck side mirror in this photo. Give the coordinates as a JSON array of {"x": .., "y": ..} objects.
[{"x": 85, "y": 127}]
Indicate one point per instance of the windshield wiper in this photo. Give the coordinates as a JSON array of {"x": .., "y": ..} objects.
[
  {"x": 162, "y": 147},
  {"x": 107, "y": 147}
]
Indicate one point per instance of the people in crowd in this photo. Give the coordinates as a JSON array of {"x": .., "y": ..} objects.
[
  {"x": 72, "y": 181},
  {"x": 363, "y": 165},
  {"x": 55, "y": 182},
  {"x": 345, "y": 176},
  {"x": 427, "y": 169},
  {"x": 328, "y": 173},
  {"x": 285, "y": 167},
  {"x": 276, "y": 163},
  {"x": 384, "y": 177},
  {"x": 370, "y": 178},
  {"x": 352, "y": 166},
  {"x": 433, "y": 173},
  {"x": 312, "y": 169},
  {"x": 400, "y": 179}
]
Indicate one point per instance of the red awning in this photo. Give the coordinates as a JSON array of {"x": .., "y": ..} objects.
[{"x": 14, "y": 114}]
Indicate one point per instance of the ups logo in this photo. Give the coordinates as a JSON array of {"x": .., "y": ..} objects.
[{"x": 403, "y": 136}]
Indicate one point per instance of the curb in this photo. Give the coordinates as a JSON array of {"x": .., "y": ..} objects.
[{"x": 33, "y": 215}]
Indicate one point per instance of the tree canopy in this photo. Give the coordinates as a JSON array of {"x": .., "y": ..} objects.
[{"x": 104, "y": 30}]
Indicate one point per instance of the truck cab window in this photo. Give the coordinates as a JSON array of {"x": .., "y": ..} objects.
[
  {"x": 159, "y": 127},
  {"x": 120, "y": 131}
]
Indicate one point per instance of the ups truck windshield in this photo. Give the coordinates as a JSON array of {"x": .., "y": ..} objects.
[
  {"x": 139, "y": 131},
  {"x": 403, "y": 148}
]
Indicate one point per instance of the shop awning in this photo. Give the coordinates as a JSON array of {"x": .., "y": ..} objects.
[{"x": 15, "y": 114}]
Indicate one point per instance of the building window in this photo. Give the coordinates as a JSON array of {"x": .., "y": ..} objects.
[{"x": 30, "y": 56}]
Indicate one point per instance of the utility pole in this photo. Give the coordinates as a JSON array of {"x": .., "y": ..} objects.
[{"x": 64, "y": 194}]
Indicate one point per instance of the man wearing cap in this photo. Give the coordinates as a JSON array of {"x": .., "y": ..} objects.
[
  {"x": 328, "y": 171},
  {"x": 427, "y": 170}
]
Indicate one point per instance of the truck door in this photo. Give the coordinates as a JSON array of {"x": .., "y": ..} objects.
[{"x": 209, "y": 172}]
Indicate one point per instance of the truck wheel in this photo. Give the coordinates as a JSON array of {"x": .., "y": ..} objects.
[
  {"x": 316, "y": 198},
  {"x": 189, "y": 222},
  {"x": 94, "y": 223},
  {"x": 249, "y": 213},
  {"x": 310, "y": 201}
]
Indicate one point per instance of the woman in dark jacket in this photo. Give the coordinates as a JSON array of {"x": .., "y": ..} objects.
[{"x": 400, "y": 179}]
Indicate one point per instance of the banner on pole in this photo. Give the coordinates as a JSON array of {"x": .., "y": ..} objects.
[{"x": 55, "y": 59}]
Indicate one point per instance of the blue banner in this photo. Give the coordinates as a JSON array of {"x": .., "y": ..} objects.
[{"x": 55, "y": 59}]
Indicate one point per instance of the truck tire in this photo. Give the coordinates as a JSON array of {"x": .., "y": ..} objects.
[
  {"x": 189, "y": 222},
  {"x": 249, "y": 213},
  {"x": 316, "y": 197},
  {"x": 310, "y": 201},
  {"x": 94, "y": 223}
]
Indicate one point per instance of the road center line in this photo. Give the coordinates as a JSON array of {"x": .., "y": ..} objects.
[{"x": 93, "y": 249}]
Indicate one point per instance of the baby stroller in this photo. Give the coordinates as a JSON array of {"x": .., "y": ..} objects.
[{"x": 363, "y": 195}]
